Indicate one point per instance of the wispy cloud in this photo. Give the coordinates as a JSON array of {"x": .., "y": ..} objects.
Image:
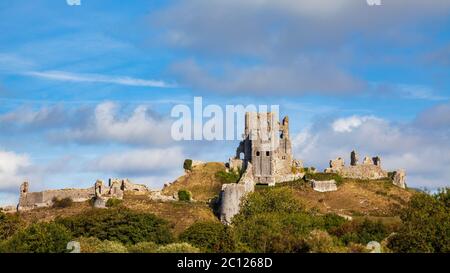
[{"x": 97, "y": 78}]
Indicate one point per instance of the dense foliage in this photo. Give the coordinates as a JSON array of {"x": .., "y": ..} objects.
[
  {"x": 9, "y": 224},
  {"x": 426, "y": 225},
  {"x": 210, "y": 237},
  {"x": 38, "y": 238},
  {"x": 123, "y": 225}
]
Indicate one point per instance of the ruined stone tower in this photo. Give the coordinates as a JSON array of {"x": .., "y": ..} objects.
[{"x": 267, "y": 146}]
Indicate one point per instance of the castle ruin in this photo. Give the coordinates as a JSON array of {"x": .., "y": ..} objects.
[
  {"x": 370, "y": 169},
  {"x": 100, "y": 192},
  {"x": 265, "y": 155},
  {"x": 267, "y": 146}
]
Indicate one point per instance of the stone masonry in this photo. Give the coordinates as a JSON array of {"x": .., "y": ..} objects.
[
  {"x": 370, "y": 169},
  {"x": 265, "y": 154},
  {"x": 116, "y": 188}
]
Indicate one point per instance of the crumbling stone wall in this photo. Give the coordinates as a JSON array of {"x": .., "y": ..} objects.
[
  {"x": 232, "y": 194},
  {"x": 369, "y": 169},
  {"x": 29, "y": 200},
  {"x": 116, "y": 189}
]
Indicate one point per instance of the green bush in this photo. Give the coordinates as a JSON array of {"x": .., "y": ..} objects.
[
  {"x": 184, "y": 195},
  {"x": 143, "y": 247},
  {"x": 39, "y": 238},
  {"x": 319, "y": 241},
  {"x": 275, "y": 231},
  {"x": 361, "y": 232},
  {"x": 113, "y": 202},
  {"x": 426, "y": 225},
  {"x": 112, "y": 247},
  {"x": 95, "y": 245},
  {"x": 177, "y": 248},
  {"x": 270, "y": 200},
  {"x": 228, "y": 177},
  {"x": 187, "y": 165},
  {"x": 119, "y": 224},
  {"x": 210, "y": 237},
  {"x": 332, "y": 221},
  {"x": 89, "y": 244},
  {"x": 325, "y": 176},
  {"x": 9, "y": 225},
  {"x": 62, "y": 203}
]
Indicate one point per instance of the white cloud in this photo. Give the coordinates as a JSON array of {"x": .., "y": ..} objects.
[
  {"x": 141, "y": 127},
  {"x": 96, "y": 78},
  {"x": 140, "y": 162},
  {"x": 11, "y": 169},
  {"x": 348, "y": 124}
]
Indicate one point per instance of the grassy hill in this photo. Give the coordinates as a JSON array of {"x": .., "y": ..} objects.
[
  {"x": 201, "y": 182},
  {"x": 376, "y": 198}
]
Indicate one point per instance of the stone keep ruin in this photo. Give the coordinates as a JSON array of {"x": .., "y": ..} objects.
[
  {"x": 265, "y": 156},
  {"x": 267, "y": 146}
]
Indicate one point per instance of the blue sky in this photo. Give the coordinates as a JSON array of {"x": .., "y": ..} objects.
[{"x": 86, "y": 91}]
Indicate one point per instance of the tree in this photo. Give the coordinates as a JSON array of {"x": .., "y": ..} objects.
[
  {"x": 210, "y": 237},
  {"x": 119, "y": 224},
  {"x": 426, "y": 225},
  {"x": 39, "y": 238}
]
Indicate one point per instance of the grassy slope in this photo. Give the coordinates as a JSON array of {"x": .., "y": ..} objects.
[
  {"x": 202, "y": 182},
  {"x": 355, "y": 198}
]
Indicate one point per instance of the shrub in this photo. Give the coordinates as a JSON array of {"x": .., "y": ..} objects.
[
  {"x": 95, "y": 245},
  {"x": 187, "y": 165},
  {"x": 332, "y": 221},
  {"x": 119, "y": 224},
  {"x": 210, "y": 237},
  {"x": 39, "y": 238},
  {"x": 89, "y": 244},
  {"x": 113, "y": 202},
  {"x": 426, "y": 225},
  {"x": 184, "y": 195},
  {"x": 228, "y": 177},
  {"x": 320, "y": 241},
  {"x": 270, "y": 200},
  {"x": 9, "y": 225},
  {"x": 177, "y": 248},
  {"x": 275, "y": 231},
  {"x": 361, "y": 232},
  {"x": 143, "y": 247},
  {"x": 62, "y": 203},
  {"x": 112, "y": 247}
]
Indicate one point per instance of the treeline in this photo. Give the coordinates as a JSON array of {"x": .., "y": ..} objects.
[{"x": 271, "y": 220}]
